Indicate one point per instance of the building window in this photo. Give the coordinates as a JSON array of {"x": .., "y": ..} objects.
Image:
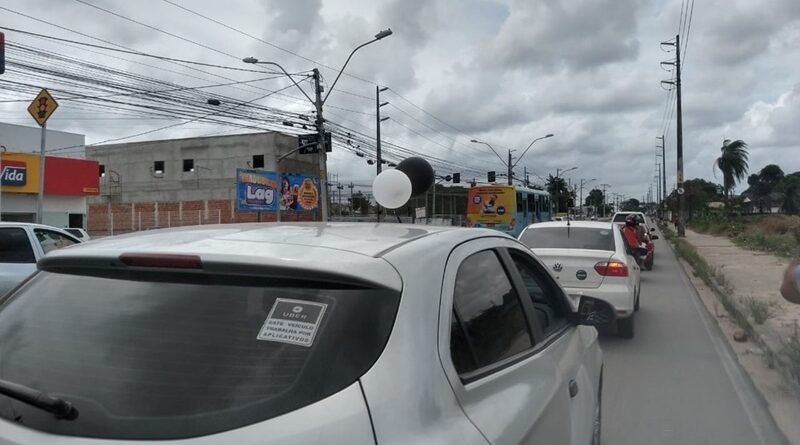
[
  {"x": 102, "y": 171},
  {"x": 258, "y": 161},
  {"x": 158, "y": 167},
  {"x": 188, "y": 165}
]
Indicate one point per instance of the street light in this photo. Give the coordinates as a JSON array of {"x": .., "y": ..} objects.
[
  {"x": 318, "y": 102},
  {"x": 549, "y": 135},
  {"x": 508, "y": 163},
  {"x": 558, "y": 189},
  {"x": 583, "y": 183}
]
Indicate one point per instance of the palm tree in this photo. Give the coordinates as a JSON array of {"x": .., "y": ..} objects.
[
  {"x": 557, "y": 187},
  {"x": 733, "y": 164}
]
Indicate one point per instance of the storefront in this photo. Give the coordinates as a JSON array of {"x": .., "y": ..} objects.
[{"x": 67, "y": 183}]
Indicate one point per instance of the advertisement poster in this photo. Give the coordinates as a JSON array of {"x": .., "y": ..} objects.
[
  {"x": 491, "y": 204},
  {"x": 256, "y": 190},
  {"x": 299, "y": 193},
  {"x": 263, "y": 191}
]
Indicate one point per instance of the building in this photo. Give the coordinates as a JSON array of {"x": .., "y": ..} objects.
[
  {"x": 67, "y": 182},
  {"x": 167, "y": 183}
]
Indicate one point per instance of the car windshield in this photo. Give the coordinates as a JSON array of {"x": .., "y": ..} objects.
[
  {"x": 569, "y": 238},
  {"x": 172, "y": 360}
]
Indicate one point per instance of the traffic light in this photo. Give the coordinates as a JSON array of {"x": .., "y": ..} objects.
[
  {"x": 2, "y": 53},
  {"x": 491, "y": 177},
  {"x": 456, "y": 178}
]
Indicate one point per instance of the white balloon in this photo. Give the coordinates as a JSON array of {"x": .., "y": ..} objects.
[{"x": 392, "y": 188}]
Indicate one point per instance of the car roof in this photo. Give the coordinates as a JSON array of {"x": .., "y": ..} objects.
[
  {"x": 586, "y": 224},
  {"x": 31, "y": 225},
  {"x": 353, "y": 249}
]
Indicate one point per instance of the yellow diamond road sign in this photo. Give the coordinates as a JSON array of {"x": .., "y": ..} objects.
[{"x": 42, "y": 107}]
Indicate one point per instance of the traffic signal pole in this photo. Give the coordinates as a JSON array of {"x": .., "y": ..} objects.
[{"x": 323, "y": 155}]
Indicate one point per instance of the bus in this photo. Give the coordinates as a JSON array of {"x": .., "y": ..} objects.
[{"x": 506, "y": 207}]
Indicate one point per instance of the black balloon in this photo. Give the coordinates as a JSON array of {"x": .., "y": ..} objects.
[{"x": 420, "y": 172}]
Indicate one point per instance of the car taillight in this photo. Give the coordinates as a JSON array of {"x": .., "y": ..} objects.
[
  {"x": 611, "y": 269},
  {"x": 161, "y": 260}
]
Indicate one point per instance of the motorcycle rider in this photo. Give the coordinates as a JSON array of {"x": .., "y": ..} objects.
[{"x": 633, "y": 236}]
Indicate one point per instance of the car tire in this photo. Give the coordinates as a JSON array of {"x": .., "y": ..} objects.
[
  {"x": 636, "y": 300},
  {"x": 625, "y": 327},
  {"x": 649, "y": 266}
]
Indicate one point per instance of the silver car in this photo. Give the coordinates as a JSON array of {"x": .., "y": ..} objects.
[
  {"x": 21, "y": 245},
  {"x": 592, "y": 258},
  {"x": 305, "y": 333}
]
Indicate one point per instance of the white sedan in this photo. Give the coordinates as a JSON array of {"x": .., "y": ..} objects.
[
  {"x": 590, "y": 258},
  {"x": 299, "y": 333}
]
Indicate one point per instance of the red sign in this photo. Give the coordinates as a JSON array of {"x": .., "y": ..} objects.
[{"x": 73, "y": 177}]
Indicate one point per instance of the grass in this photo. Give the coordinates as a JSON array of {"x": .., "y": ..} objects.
[
  {"x": 760, "y": 311},
  {"x": 791, "y": 354},
  {"x": 776, "y": 233}
]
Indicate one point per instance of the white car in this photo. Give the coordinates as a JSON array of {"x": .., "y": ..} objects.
[
  {"x": 590, "y": 258},
  {"x": 78, "y": 233},
  {"x": 21, "y": 245},
  {"x": 266, "y": 334}
]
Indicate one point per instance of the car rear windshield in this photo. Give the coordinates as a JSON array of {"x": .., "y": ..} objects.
[
  {"x": 620, "y": 217},
  {"x": 569, "y": 238},
  {"x": 169, "y": 360}
]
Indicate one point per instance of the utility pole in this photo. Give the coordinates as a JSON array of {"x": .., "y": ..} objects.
[
  {"x": 378, "y": 121},
  {"x": 323, "y": 155},
  {"x": 679, "y": 130},
  {"x": 509, "y": 167},
  {"x": 605, "y": 199},
  {"x": 663, "y": 174}
]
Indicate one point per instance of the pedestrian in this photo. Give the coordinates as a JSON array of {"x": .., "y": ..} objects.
[{"x": 790, "y": 289}]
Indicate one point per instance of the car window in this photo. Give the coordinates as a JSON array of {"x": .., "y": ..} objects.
[
  {"x": 51, "y": 240},
  {"x": 177, "y": 359},
  {"x": 568, "y": 238},
  {"x": 489, "y": 324},
  {"x": 75, "y": 232},
  {"x": 547, "y": 300},
  {"x": 620, "y": 217},
  {"x": 15, "y": 247}
]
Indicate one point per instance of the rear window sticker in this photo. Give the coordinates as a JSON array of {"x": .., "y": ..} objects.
[{"x": 292, "y": 321}]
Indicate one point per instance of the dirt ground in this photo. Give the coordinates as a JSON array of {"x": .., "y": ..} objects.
[{"x": 758, "y": 275}]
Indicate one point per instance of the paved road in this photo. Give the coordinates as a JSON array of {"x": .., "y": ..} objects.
[{"x": 677, "y": 381}]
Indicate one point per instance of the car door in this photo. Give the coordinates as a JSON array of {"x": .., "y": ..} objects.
[
  {"x": 573, "y": 350},
  {"x": 505, "y": 378}
]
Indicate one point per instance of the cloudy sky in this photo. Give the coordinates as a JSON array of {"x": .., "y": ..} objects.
[{"x": 502, "y": 71}]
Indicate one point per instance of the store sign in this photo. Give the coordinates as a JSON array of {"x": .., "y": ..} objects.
[
  {"x": 264, "y": 191},
  {"x": 13, "y": 173},
  {"x": 19, "y": 172}
]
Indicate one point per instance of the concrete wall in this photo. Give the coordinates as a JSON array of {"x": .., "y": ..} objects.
[
  {"x": 25, "y": 139},
  {"x": 130, "y": 175},
  {"x": 133, "y": 197}
]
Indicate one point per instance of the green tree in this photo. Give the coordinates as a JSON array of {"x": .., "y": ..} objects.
[
  {"x": 759, "y": 190},
  {"x": 360, "y": 203},
  {"x": 771, "y": 175},
  {"x": 562, "y": 196},
  {"x": 595, "y": 198},
  {"x": 732, "y": 162}
]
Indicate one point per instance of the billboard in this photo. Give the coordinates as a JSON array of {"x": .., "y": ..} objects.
[
  {"x": 491, "y": 204},
  {"x": 263, "y": 191},
  {"x": 71, "y": 177}
]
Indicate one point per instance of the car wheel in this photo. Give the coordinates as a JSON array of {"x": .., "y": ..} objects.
[
  {"x": 638, "y": 297},
  {"x": 649, "y": 265},
  {"x": 598, "y": 414},
  {"x": 625, "y": 327}
]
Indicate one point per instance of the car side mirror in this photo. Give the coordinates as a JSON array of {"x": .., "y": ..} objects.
[
  {"x": 641, "y": 251},
  {"x": 594, "y": 312},
  {"x": 653, "y": 237},
  {"x": 652, "y": 229}
]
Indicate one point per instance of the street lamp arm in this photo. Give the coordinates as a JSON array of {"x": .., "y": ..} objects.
[
  {"x": 474, "y": 141},
  {"x": 528, "y": 148},
  {"x": 330, "y": 89},
  {"x": 286, "y": 155},
  {"x": 255, "y": 61}
]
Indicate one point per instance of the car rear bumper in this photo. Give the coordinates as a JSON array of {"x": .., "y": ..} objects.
[{"x": 621, "y": 296}]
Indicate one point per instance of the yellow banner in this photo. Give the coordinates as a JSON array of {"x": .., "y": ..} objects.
[
  {"x": 491, "y": 204},
  {"x": 19, "y": 173}
]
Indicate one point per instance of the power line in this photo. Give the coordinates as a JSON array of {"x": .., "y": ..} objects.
[{"x": 686, "y": 40}]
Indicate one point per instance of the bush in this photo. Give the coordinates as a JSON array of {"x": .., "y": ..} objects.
[{"x": 759, "y": 310}]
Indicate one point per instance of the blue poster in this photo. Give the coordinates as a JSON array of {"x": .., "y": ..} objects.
[
  {"x": 256, "y": 190},
  {"x": 263, "y": 191}
]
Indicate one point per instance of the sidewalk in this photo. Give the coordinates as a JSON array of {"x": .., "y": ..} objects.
[{"x": 752, "y": 274}]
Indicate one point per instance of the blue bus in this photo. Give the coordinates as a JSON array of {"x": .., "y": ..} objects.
[{"x": 506, "y": 207}]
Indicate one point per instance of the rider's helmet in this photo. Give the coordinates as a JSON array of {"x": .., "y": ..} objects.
[{"x": 631, "y": 221}]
